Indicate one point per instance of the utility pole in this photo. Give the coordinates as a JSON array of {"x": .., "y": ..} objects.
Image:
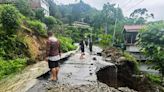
[
  {"x": 114, "y": 31},
  {"x": 115, "y": 27}
]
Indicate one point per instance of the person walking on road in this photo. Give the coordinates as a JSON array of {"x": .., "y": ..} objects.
[
  {"x": 90, "y": 44},
  {"x": 86, "y": 42},
  {"x": 82, "y": 48},
  {"x": 53, "y": 55}
]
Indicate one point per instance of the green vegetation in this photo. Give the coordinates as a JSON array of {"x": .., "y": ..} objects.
[
  {"x": 12, "y": 48},
  {"x": 133, "y": 60},
  {"x": 39, "y": 14},
  {"x": 140, "y": 16},
  {"x": 10, "y": 18},
  {"x": 76, "y": 33},
  {"x": 154, "y": 78},
  {"x": 102, "y": 21},
  {"x": 151, "y": 40},
  {"x": 105, "y": 40},
  {"x": 21, "y": 28},
  {"x": 37, "y": 26},
  {"x": 10, "y": 44},
  {"x": 11, "y": 66},
  {"x": 50, "y": 22},
  {"x": 66, "y": 44},
  {"x": 24, "y": 8},
  {"x": 21, "y": 33}
]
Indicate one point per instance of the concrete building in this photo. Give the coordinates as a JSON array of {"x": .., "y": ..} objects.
[
  {"x": 40, "y": 4},
  {"x": 130, "y": 35}
]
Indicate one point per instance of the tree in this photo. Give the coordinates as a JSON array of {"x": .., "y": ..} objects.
[
  {"x": 141, "y": 15},
  {"x": 39, "y": 14},
  {"x": 54, "y": 9},
  {"x": 79, "y": 10},
  {"x": 24, "y": 7},
  {"x": 50, "y": 22},
  {"x": 109, "y": 15},
  {"x": 11, "y": 46},
  {"x": 105, "y": 39},
  {"x": 151, "y": 42},
  {"x": 10, "y": 18}
]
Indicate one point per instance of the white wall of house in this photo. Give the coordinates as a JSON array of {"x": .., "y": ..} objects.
[
  {"x": 132, "y": 48},
  {"x": 45, "y": 6}
]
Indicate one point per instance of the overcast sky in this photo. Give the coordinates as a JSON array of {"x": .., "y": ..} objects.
[{"x": 153, "y": 6}]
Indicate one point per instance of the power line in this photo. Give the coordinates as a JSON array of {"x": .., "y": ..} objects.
[
  {"x": 135, "y": 5},
  {"x": 126, "y": 4}
]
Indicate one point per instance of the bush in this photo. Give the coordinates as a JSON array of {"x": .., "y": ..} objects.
[
  {"x": 50, "y": 22},
  {"x": 0, "y": 13},
  {"x": 66, "y": 44},
  {"x": 37, "y": 26},
  {"x": 132, "y": 59},
  {"x": 39, "y": 14},
  {"x": 11, "y": 47},
  {"x": 24, "y": 7},
  {"x": 10, "y": 18},
  {"x": 76, "y": 33},
  {"x": 151, "y": 42},
  {"x": 154, "y": 78},
  {"x": 11, "y": 66},
  {"x": 105, "y": 40}
]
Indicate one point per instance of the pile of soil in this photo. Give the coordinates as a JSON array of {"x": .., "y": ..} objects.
[
  {"x": 112, "y": 53},
  {"x": 97, "y": 87}
]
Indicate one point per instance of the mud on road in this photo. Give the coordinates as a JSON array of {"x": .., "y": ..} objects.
[{"x": 42, "y": 86}]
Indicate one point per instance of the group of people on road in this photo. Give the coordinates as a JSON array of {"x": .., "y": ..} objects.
[
  {"x": 53, "y": 53},
  {"x": 85, "y": 43}
]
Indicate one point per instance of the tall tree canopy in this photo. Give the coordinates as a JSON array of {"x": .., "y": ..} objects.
[{"x": 140, "y": 16}]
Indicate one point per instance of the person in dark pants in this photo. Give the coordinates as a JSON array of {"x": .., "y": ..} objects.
[
  {"x": 82, "y": 48},
  {"x": 86, "y": 42},
  {"x": 90, "y": 44},
  {"x": 53, "y": 55}
]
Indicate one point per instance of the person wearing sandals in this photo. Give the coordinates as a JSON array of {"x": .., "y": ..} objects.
[{"x": 53, "y": 55}]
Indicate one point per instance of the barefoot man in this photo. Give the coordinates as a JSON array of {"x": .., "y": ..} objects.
[{"x": 53, "y": 55}]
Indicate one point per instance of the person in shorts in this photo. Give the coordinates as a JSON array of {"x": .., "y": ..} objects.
[{"x": 53, "y": 55}]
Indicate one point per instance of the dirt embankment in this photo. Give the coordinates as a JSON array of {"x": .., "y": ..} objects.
[{"x": 35, "y": 44}]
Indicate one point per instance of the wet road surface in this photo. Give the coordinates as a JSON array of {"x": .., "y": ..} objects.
[
  {"x": 77, "y": 75},
  {"x": 74, "y": 71}
]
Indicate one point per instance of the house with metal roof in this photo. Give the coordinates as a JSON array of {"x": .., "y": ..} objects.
[{"x": 130, "y": 35}]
